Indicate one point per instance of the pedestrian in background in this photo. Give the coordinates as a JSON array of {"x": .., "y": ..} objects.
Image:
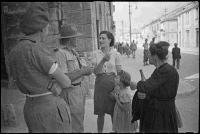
[
  {"x": 152, "y": 41},
  {"x": 120, "y": 48},
  {"x": 32, "y": 67},
  {"x": 146, "y": 51},
  {"x": 176, "y": 56},
  {"x": 127, "y": 49},
  {"x": 159, "y": 113},
  {"x": 133, "y": 48},
  {"x": 122, "y": 111},
  {"x": 107, "y": 63},
  {"x": 69, "y": 61}
]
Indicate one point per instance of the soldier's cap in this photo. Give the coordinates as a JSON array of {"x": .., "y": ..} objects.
[
  {"x": 69, "y": 31},
  {"x": 35, "y": 19}
]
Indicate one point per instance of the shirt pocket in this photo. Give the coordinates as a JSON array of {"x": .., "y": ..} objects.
[{"x": 70, "y": 64}]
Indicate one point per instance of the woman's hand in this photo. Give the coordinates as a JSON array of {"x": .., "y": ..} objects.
[
  {"x": 106, "y": 57},
  {"x": 141, "y": 95}
]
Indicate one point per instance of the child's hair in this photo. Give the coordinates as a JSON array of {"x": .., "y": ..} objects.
[{"x": 125, "y": 78}]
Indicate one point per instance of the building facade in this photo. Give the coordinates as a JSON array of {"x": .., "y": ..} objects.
[
  {"x": 178, "y": 26},
  {"x": 89, "y": 17},
  {"x": 188, "y": 26}
]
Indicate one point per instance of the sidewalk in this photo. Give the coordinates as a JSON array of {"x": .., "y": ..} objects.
[{"x": 130, "y": 65}]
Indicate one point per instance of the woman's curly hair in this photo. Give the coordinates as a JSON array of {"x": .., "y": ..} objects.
[{"x": 125, "y": 78}]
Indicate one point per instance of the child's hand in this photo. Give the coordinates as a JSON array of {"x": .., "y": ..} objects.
[
  {"x": 116, "y": 94},
  {"x": 112, "y": 95},
  {"x": 133, "y": 85}
]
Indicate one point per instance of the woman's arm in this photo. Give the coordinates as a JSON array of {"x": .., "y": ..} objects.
[
  {"x": 154, "y": 82},
  {"x": 99, "y": 67}
]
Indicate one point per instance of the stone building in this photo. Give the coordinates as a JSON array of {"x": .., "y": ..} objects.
[
  {"x": 188, "y": 26},
  {"x": 89, "y": 17},
  {"x": 178, "y": 26}
]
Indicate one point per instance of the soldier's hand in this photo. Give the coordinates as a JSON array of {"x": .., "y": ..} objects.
[
  {"x": 88, "y": 70},
  {"x": 54, "y": 87}
]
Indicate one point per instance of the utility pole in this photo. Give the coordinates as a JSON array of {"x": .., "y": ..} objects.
[
  {"x": 130, "y": 20},
  {"x": 165, "y": 22},
  {"x": 122, "y": 31}
]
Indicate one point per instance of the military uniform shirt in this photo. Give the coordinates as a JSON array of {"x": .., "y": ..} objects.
[{"x": 29, "y": 65}]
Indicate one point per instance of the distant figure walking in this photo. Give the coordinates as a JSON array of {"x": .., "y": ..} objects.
[
  {"x": 127, "y": 49},
  {"x": 176, "y": 56},
  {"x": 152, "y": 41},
  {"x": 133, "y": 48},
  {"x": 146, "y": 49},
  {"x": 120, "y": 48}
]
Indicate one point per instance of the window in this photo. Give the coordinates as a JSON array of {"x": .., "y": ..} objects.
[
  {"x": 197, "y": 37},
  {"x": 197, "y": 13},
  {"x": 187, "y": 18}
]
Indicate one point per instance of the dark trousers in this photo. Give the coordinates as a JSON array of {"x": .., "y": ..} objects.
[
  {"x": 176, "y": 61},
  {"x": 133, "y": 53}
]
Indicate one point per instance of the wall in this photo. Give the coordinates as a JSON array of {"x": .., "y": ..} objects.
[
  {"x": 83, "y": 14},
  {"x": 184, "y": 40}
]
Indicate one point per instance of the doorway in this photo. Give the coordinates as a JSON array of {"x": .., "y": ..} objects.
[{"x": 197, "y": 37}]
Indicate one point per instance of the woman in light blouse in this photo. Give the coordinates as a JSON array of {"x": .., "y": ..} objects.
[{"x": 107, "y": 63}]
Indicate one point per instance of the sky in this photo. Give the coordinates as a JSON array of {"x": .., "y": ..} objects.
[{"x": 144, "y": 14}]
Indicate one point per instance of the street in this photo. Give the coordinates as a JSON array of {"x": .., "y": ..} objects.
[{"x": 187, "y": 102}]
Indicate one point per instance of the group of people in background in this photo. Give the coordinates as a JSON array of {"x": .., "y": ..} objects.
[
  {"x": 125, "y": 48},
  {"x": 51, "y": 82}
]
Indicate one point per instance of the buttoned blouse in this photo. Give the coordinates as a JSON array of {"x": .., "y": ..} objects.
[
  {"x": 68, "y": 62},
  {"x": 109, "y": 66}
]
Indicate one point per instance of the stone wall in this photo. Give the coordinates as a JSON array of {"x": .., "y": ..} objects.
[{"x": 82, "y": 14}]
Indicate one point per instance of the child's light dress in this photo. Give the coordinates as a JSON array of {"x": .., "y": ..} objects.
[{"x": 122, "y": 118}]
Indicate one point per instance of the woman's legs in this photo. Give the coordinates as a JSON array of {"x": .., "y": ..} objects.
[{"x": 100, "y": 123}]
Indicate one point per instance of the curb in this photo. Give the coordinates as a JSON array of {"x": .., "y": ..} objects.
[{"x": 183, "y": 95}]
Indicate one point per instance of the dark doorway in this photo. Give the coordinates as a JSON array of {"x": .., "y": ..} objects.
[{"x": 4, "y": 75}]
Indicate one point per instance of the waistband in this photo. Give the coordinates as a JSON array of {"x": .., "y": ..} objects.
[
  {"x": 37, "y": 95},
  {"x": 106, "y": 74}
]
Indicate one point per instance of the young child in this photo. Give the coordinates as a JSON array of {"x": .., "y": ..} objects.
[{"x": 122, "y": 111}]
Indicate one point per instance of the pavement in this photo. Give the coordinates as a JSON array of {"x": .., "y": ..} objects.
[{"x": 15, "y": 97}]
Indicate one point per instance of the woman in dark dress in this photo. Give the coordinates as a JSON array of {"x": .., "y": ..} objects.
[{"x": 158, "y": 112}]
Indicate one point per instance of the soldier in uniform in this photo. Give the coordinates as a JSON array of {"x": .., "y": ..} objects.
[
  {"x": 32, "y": 67},
  {"x": 69, "y": 62}
]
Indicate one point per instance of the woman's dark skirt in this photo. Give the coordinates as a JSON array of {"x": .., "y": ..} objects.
[{"x": 102, "y": 102}]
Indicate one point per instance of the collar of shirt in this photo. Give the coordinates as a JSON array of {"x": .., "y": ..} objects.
[
  {"x": 111, "y": 50},
  {"x": 27, "y": 38}
]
